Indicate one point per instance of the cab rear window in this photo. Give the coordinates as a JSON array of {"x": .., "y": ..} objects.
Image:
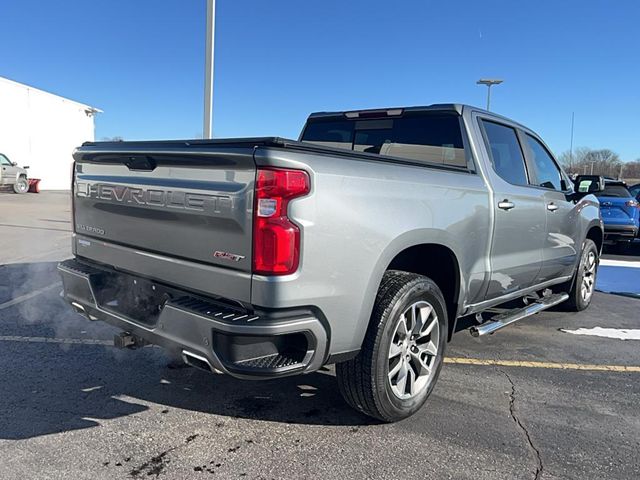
[{"x": 431, "y": 138}]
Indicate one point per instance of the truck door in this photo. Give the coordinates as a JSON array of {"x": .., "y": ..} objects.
[
  {"x": 7, "y": 171},
  {"x": 519, "y": 213},
  {"x": 562, "y": 243}
]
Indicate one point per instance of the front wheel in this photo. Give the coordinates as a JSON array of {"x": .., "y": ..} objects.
[
  {"x": 584, "y": 281},
  {"x": 401, "y": 356},
  {"x": 21, "y": 185}
]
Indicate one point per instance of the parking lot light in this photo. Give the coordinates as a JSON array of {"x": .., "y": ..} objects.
[{"x": 488, "y": 82}]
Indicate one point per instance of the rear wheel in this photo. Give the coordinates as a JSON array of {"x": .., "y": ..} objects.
[
  {"x": 402, "y": 352},
  {"x": 584, "y": 282},
  {"x": 21, "y": 185}
]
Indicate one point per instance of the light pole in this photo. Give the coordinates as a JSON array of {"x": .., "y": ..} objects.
[
  {"x": 207, "y": 130},
  {"x": 488, "y": 82},
  {"x": 571, "y": 144}
]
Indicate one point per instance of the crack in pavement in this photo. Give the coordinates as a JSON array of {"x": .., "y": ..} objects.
[{"x": 512, "y": 411}]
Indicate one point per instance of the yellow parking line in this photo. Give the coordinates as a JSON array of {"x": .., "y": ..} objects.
[{"x": 528, "y": 364}]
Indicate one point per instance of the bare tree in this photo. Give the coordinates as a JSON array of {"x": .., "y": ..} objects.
[
  {"x": 597, "y": 162},
  {"x": 631, "y": 170}
]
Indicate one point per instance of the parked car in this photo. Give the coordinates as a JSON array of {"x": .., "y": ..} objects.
[
  {"x": 13, "y": 176},
  {"x": 362, "y": 245},
  {"x": 620, "y": 213}
]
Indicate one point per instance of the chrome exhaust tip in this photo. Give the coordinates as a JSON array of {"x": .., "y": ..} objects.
[
  {"x": 198, "y": 361},
  {"x": 83, "y": 311},
  {"x": 78, "y": 308}
]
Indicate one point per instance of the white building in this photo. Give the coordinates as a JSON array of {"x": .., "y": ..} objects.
[{"x": 40, "y": 129}]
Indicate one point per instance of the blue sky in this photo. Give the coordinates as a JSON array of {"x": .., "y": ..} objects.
[{"x": 142, "y": 62}]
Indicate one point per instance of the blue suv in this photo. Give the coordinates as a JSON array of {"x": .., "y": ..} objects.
[{"x": 620, "y": 212}]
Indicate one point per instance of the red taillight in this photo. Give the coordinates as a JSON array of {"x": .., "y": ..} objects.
[{"x": 276, "y": 239}]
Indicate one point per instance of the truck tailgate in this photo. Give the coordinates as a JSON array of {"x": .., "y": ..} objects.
[{"x": 191, "y": 208}]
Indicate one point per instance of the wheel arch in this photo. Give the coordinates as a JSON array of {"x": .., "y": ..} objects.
[
  {"x": 440, "y": 264},
  {"x": 595, "y": 233},
  {"x": 433, "y": 253}
]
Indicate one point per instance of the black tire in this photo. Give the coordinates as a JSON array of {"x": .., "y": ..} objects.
[
  {"x": 576, "y": 301},
  {"x": 21, "y": 186},
  {"x": 364, "y": 381}
]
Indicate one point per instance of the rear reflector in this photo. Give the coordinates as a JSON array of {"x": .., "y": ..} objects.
[{"x": 276, "y": 239}]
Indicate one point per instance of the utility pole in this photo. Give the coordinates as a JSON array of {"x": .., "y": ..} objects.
[
  {"x": 207, "y": 130},
  {"x": 488, "y": 82},
  {"x": 592, "y": 168},
  {"x": 571, "y": 145}
]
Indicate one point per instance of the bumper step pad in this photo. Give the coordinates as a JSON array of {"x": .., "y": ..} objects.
[{"x": 270, "y": 362}]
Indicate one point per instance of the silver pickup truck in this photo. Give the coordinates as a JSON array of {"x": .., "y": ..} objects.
[
  {"x": 11, "y": 175},
  {"x": 359, "y": 245}
]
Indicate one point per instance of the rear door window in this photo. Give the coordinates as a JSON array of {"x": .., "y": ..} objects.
[
  {"x": 506, "y": 154},
  {"x": 429, "y": 138}
]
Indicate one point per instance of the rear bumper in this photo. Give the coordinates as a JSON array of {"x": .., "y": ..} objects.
[
  {"x": 620, "y": 232},
  {"x": 207, "y": 333}
]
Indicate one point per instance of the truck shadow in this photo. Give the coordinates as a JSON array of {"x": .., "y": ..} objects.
[
  {"x": 622, "y": 251},
  {"x": 50, "y": 386}
]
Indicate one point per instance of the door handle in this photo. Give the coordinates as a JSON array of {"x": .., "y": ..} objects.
[
  {"x": 552, "y": 207},
  {"x": 506, "y": 205}
]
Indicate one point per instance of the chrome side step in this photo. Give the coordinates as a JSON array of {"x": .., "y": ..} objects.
[{"x": 501, "y": 321}]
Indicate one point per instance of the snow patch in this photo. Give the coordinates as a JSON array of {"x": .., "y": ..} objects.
[{"x": 618, "y": 333}]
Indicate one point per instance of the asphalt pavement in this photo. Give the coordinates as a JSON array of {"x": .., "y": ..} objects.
[{"x": 531, "y": 401}]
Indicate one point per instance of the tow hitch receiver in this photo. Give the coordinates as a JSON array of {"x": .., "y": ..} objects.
[{"x": 127, "y": 340}]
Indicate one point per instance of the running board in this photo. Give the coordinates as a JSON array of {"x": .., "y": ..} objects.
[{"x": 501, "y": 321}]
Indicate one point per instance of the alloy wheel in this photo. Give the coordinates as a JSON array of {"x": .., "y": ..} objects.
[
  {"x": 588, "y": 277},
  {"x": 413, "y": 350}
]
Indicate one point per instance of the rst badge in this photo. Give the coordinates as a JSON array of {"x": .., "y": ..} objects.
[{"x": 228, "y": 256}]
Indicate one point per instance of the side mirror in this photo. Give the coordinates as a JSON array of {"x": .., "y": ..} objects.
[
  {"x": 586, "y": 184},
  {"x": 14, "y": 164}
]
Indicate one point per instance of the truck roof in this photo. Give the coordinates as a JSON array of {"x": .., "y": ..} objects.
[{"x": 451, "y": 107}]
